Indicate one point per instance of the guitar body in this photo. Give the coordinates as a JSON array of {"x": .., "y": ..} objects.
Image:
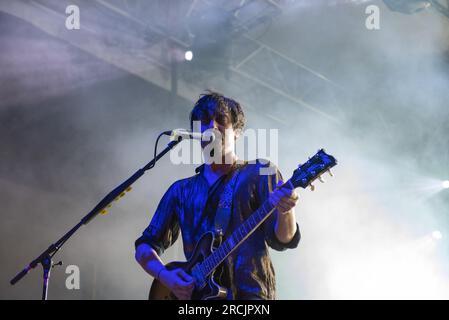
[{"x": 211, "y": 290}]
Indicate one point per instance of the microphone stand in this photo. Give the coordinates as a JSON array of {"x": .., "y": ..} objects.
[{"x": 45, "y": 258}]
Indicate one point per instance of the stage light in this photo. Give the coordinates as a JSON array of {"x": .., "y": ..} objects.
[
  {"x": 445, "y": 184},
  {"x": 188, "y": 55},
  {"x": 437, "y": 235}
]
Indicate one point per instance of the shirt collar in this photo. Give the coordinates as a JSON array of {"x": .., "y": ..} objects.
[{"x": 200, "y": 169}]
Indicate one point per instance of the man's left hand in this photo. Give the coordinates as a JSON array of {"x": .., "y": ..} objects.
[{"x": 284, "y": 199}]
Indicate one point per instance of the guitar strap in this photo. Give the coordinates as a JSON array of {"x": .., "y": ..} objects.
[{"x": 224, "y": 208}]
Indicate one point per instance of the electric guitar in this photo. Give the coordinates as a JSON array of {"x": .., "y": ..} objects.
[{"x": 210, "y": 251}]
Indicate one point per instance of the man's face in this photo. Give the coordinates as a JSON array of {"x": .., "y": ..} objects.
[{"x": 225, "y": 135}]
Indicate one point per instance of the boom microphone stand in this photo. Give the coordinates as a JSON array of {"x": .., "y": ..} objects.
[{"x": 45, "y": 258}]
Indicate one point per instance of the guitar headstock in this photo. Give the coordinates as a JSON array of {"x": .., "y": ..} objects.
[{"x": 306, "y": 173}]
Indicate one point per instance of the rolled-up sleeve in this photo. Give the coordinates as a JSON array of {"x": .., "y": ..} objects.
[
  {"x": 267, "y": 183},
  {"x": 163, "y": 229}
]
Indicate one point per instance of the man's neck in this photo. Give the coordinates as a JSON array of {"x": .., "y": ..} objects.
[{"x": 219, "y": 169}]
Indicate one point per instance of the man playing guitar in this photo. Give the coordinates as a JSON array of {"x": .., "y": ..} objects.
[{"x": 189, "y": 206}]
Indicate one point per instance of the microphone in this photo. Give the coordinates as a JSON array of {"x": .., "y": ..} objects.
[{"x": 185, "y": 134}]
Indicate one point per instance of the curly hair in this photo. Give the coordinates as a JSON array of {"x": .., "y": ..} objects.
[{"x": 214, "y": 105}]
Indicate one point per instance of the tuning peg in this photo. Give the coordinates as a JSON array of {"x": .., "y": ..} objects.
[
  {"x": 320, "y": 179},
  {"x": 104, "y": 211},
  {"x": 128, "y": 189},
  {"x": 312, "y": 187},
  {"x": 330, "y": 172}
]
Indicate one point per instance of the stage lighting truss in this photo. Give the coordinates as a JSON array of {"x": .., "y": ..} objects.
[
  {"x": 414, "y": 6},
  {"x": 134, "y": 36}
]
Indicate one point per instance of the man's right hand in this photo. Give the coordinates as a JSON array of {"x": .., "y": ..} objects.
[{"x": 179, "y": 282}]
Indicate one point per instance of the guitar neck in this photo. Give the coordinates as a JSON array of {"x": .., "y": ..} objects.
[
  {"x": 237, "y": 237},
  {"x": 302, "y": 177}
]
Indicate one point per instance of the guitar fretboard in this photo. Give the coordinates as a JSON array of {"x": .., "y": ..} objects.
[{"x": 236, "y": 238}]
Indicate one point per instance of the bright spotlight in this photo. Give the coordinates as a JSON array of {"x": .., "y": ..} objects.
[
  {"x": 445, "y": 184},
  {"x": 188, "y": 55},
  {"x": 437, "y": 235}
]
